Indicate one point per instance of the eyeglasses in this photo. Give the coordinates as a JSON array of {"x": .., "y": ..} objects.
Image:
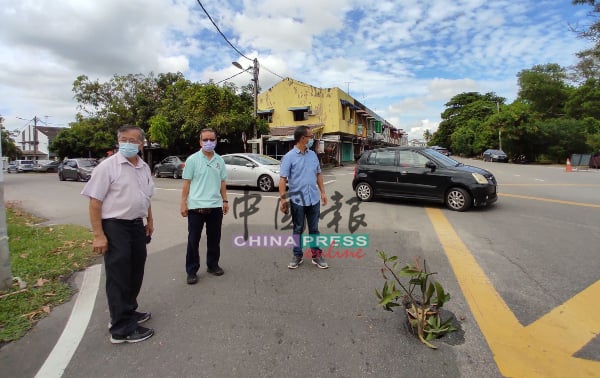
[
  {"x": 129, "y": 140},
  {"x": 206, "y": 140}
]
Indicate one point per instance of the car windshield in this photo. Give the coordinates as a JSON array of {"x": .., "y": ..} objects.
[
  {"x": 265, "y": 160},
  {"x": 87, "y": 163},
  {"x": 443, "y": 159}
]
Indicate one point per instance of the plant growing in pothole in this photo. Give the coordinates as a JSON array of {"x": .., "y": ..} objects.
[{"x": 422, "y": 297}]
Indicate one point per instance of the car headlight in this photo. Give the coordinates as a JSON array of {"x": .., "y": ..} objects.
[{"x": 479, "y": 178}]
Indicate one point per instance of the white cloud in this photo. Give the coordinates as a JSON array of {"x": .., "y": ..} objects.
[{"x": 403, "y": 60}]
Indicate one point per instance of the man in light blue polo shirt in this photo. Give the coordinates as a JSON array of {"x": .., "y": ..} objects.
[
  {"x": 301, "y": 169},
  {"x": 204, "y": 200}
]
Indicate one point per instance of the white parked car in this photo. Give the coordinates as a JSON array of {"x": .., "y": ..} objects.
[{"x": 246, "y": 169}]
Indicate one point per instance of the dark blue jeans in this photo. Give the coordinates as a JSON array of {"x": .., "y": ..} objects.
[
  {"x": 196, "y": 223},
  {"x": 124, "y": 265},
  {"x": 311, "y": 214}
]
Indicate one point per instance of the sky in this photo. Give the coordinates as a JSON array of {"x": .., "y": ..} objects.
[{"x": 402, "y": 59}]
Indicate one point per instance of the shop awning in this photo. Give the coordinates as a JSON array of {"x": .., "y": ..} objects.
[
  {"x": 265, "y": 111},
  {"x": 298, "y": 108}
]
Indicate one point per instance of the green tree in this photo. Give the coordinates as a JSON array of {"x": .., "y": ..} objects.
[
  {"x": 588, "y": 66},
  {"x": 9, "y": 148},
  {"x": 544, "y": 87},
  {"x": 427, "y": 135},
  {"x": 87, "y": 137},
  {"x": 461, "y": 109},
  {"x": 584, "y": 101}
]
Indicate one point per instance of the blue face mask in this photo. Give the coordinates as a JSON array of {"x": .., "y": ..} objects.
[
  {"x": 310, "y": 143},
  {"x": 128, "y": 149},
  {"x": 209, "y": 146}
]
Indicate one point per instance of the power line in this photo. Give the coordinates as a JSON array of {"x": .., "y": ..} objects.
[
  {"x": 231, "y": 77},
  {"x": 219, "y": 30},
  {"x": 263, "y": 66}
]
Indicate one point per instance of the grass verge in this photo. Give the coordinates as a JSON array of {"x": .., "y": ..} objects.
[{"x": 43, "y": 258}]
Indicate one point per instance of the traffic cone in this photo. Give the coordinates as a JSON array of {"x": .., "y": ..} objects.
[{"x": 569, "y": 168}]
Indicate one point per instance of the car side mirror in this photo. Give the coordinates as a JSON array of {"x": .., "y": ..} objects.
[
  {"x": 250, "y": 165},
  {"x": 431, "y": 166}
]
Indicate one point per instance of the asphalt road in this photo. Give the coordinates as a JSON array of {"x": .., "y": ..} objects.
[{"x": 512, "y": 269}]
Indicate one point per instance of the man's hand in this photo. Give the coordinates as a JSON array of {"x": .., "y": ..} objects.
[
  {"x": 225, "y": 208},
  {"x": 323, "y": 198},
  {"x": 284, "y": 206},
  {"x": 100, "y": 244},
  {"x": 183, "y": 209}
]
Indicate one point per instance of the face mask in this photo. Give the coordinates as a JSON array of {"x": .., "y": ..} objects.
[
  {"x": 310, "y": 143},
  {"x": 128, "y": 149},
  {"x": 209, "y": 146}
]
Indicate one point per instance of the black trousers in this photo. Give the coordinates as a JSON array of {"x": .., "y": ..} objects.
[
  {"x": 124, "y": 264},
  {"x": 196, "y": 221}
]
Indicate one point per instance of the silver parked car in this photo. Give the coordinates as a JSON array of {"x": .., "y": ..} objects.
[
  {"x": 171, "y": 166},
  {"x": 246, "y": 169},
  {"x": 76, "y": 169},
  {"x": 21, "y": 166}
]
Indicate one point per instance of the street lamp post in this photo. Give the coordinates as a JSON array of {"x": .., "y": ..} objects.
[
  {"x": 254, "y": 68},
  {"x": 499, "y": 129}
]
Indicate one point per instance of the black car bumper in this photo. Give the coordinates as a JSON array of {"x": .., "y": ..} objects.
[{"x": 484, "y": 195}]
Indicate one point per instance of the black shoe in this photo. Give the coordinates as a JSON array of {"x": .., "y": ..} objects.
[
  {"x": 140, "y": 317},
  {"x": 139, "y": 334},
  {"x": 192, "y": 279},
  {"x": 218, "y": 271}
]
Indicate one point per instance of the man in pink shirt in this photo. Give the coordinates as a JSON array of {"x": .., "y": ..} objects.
[{"x": 120, "y": 191}]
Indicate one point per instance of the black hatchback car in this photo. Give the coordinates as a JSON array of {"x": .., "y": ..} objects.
[{"x": 423, "y": 174}]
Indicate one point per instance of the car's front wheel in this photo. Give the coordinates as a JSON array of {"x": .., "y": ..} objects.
[
  {"x": 458, "y": 199},
  {"x": 156, "y": 174},
  {"x": 265, "y": 183},
  {"x": 175, "y": 174},
  {"x": 364, "y": 191},
  {"x": 61, "y": 177}
]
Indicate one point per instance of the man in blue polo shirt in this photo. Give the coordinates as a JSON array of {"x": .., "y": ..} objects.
[
  {"x": 301, "y": 169},
  {"x": 204, "y": 200}
]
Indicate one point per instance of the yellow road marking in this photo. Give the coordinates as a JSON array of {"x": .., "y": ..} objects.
[
  {"x": 550, "y": 200},
  {"x": 542, "y": 349}
]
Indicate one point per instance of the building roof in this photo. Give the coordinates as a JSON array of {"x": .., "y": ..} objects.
[{"x": 49, "y": 131}]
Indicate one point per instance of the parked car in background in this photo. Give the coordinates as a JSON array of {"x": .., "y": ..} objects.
[
  {"x": 595, "y": 160},
  {"x": 255, "y": 170},
  {"x": 495, "y": 155},
  {"x": 171, "y": 166},
  {"x": 441, "y": 150},
  {"x": 21, "y": 166},
  {"x": 79, "y": 169},
  {"x": 47, "y": 166},
  {"x": 11, "y": 167},
  {"x": 423, "y": 174}
]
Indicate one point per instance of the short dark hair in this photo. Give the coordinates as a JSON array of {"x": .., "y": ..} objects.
[
  {"x": 126, "y": 128},
  {"x": 207, "y": 130},
  {"x": 300, "y": 132}
]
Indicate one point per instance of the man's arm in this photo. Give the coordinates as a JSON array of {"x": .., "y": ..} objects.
[
  {"x": 185, "y": 191},
  {"x": 149, "y": 222},
  {"x": 100, "y": 243},
  {"x": 283, "y": 204},
  {"x": 224, "y": 196},
  {"x": 321, "y": 188}
]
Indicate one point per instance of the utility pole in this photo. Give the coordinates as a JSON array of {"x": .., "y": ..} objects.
[
  {"x": 255, "y": 80},
  {"x": 348, "y": 86},
  {"x": 499, "y": 129},
  {"x": 35, "y": 144}
]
